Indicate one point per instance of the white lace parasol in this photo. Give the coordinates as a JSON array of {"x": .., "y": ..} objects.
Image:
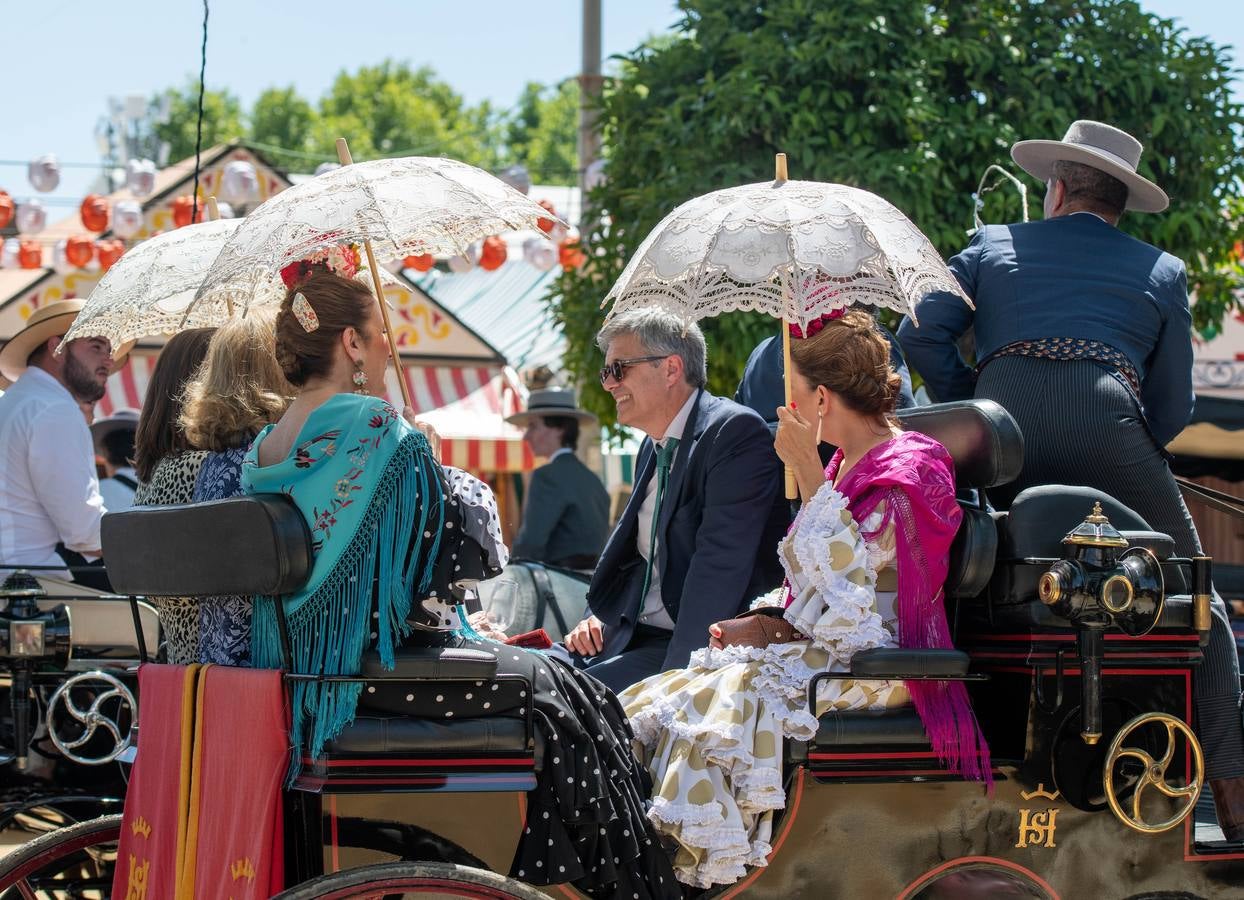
[
  {"x": 408, "y": 206},
  {"x": 147, "y": 291},
  {"x": 793, "y": 249}
]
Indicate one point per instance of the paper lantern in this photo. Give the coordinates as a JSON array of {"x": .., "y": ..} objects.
[
  {"x": 109, "y": 252},
  {"x": 127, "y": 218},
  {"x": 326, "y": 167},
  {"x": 539, "y": 253},
  {"x": 560, "y": 233},
  {"x": 570, "y": 255},
  {"x": 8, "y": 253},
  {"x": 546, "y": 225},
  {"x": 94, "y": 213},
  {"x": 31, "y": 217},
  {"x": 420, "y": 263},
  {"x": 140, "y": 176},
  {"x": 6, "y": 209},
  {"x": 60, "y": 262},
  {"x": 44, "y": 173},
  {"x": 79, "y": 251},
  {"x": 465, "y": 262},
  {"x": 517, "y": 177},
  {"x": 30, "y": 255},
  {"x": 493, "y": 254},
  {"x": 240, "y": 182},
  {"x": 183, "y": 208},
  {"x": 225, "y": 210}
]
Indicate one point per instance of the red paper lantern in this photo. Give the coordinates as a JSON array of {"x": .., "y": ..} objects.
[
  {"x": 493, "y": 254},
  {"x": 6, "y": 209},
  {"x": 30, "y": 255},
  {"x": 109, "y": 252},
  {"x": 79, "y": 251},
  {"x": 570, "y": 255},
  {"x": 420, "y": 263},
  {"x": 183, "y": 207},
  {"x": 94, "y": 213},
  {"x": 546, "y": 225}
]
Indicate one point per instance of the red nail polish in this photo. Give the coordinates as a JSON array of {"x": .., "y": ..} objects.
[{"x": 792, "y": 405}]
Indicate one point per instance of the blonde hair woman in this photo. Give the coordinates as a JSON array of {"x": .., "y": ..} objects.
[{"x": 240, "y": 389}]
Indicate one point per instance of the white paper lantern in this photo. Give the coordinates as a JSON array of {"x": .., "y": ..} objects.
[
  {"x": 140, "y": 175},
  {"x": 559, "y": 233},
  {"x": 8, "y": 253},
  {"x": 540, "y": 253},
  {"x": 240, "y": 182},
  {"x": 465, "y": 262},
  {"x": 59, "y": 262},
  {"x": 225, "y": 210},
  {"x": 517, "y": 177},
  {"x": 44, "y": 173},
  {"x": 595, "y": 175},
  {"x": 326, "y": 167},
  {"x": 31, "y": 217},
  {"x": 127, "y": 218}
]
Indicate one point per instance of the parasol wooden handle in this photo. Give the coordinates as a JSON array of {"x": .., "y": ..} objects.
[
  {"x": 779, "y": 166},
  {"x": 343, "y": 154},
  {"x": 792, "y": 489}
]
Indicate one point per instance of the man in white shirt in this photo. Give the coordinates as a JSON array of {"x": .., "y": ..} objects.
[
  {"x": 698, "y": 539},
  {"x": 50, "y": 505}
]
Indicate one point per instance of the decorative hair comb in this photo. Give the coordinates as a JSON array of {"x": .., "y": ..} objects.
[
  {"x": 304, "y": 312},
  {"x": 816, "y": 324}
]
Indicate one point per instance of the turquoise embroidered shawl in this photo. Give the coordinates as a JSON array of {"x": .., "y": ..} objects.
[{"x": 368, "y": 487}]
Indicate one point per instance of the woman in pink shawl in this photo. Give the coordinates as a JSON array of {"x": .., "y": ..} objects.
[{"x": 865, "y": 561}]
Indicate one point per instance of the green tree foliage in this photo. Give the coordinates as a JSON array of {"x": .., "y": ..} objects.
[
  {"x": 912, "y": 100},
  {"x": 542, "y": 132},
  {"x": 222, "y": 119},
  {"x": 281, "y": 118}
]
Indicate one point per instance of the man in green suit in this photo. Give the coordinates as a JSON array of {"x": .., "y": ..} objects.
[{"x": 566, "y": 516}]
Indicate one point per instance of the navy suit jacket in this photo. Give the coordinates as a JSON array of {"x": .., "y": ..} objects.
[
  {"x": 718, "y": 531},
  {"x": 1071, "y": 276}
]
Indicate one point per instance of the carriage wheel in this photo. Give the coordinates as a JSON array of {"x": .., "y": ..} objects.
[
  {"x": 412, "y": 879},
  {"x": 73, "y": 862}
]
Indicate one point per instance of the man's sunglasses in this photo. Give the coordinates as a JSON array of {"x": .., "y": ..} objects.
[{"x": 617, "y": 369}]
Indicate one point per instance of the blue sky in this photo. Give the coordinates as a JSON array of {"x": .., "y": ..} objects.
[{"x": 64, "y": 58}]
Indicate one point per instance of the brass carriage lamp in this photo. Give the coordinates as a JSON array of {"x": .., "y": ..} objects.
[
  {"x": 1095, "y": 586},
  {"x": 29, "y": 637}
]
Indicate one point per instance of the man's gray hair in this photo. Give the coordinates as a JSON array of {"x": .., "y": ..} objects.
[{"x": 662, "y": 333}]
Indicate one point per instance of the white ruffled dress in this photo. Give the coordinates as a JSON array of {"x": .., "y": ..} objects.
[{"x": 711, "y": 734}]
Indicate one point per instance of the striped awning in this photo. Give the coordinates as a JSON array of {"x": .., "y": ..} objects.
[{"x": 466, "y": 404}]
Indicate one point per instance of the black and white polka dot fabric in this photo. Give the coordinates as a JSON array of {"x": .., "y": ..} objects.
[{"x": 480, "y": 518}]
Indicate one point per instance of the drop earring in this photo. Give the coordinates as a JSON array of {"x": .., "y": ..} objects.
[
  {"x": 820, "y": 421},
  {"x": 360, "y": 379}
]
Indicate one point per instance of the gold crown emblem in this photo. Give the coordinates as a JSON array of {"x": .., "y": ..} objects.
[
  {"x": 242, "y": 868},
  {"x": 1039, "y": 792},
  {"x": 140, "y": 826}
]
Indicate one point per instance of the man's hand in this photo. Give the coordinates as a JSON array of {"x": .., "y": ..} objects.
[{"x": 587, "y": 638}]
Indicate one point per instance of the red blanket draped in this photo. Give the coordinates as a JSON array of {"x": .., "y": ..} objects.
[
  {"x": 235, "y": 845},
  {"x": 157, "y": 801}
]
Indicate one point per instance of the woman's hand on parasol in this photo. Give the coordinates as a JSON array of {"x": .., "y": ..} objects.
[
  {"x": 434, "y": 439},
  {"x": 795, "y": 444}
]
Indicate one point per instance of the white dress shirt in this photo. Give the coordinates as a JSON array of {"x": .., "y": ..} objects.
[
  {"x": 48, "y": 490},
  {"x": 654, "y": 612}
]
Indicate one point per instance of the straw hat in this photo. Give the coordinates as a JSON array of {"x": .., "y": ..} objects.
[
  {"x": 52, "y": 320},
  {"x": 550, "y": 402},
  {"x": 1102, "y": 147}
]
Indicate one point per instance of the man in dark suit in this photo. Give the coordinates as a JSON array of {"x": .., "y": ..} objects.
[
  {"x": 1083, "y": 334},
  {"x": 566, "y": 513},
  {"x": 698, "y": 539}
]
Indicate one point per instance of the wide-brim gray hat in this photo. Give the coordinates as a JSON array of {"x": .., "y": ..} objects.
[
  {"x": 550, "y": 402},
  {"x": 118, "y": 421},
  {"x": 1102, "y": 147}
]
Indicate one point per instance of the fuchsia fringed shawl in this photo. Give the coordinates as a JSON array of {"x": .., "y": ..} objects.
[{"x": 914, "y": 476}]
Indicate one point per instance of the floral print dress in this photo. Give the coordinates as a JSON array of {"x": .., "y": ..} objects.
[
  {"x": 711, "y": 735},
  {"x": 224, "y": 622}
]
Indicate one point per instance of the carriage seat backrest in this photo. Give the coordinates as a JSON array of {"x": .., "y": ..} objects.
[
  {"x": 981, "y": 437},
  {"x": 257, "y": 544}
]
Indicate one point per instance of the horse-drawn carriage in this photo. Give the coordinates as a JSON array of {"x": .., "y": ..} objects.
[{"x": 1078, "y": 632}]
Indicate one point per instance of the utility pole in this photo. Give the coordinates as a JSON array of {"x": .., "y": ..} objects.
[{"x": 589, "y": 91}]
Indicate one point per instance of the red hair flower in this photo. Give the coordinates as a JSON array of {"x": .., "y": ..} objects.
[{"x": 815, "y": 326}]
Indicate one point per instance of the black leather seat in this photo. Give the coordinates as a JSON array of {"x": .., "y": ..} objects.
[{"x": 370, "y": 734}]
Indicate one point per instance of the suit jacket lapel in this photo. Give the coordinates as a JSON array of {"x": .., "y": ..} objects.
[{"x": 673, "y": 488}]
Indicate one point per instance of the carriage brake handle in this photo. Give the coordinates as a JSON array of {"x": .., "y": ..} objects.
[{"x": 1202, "y": 596}]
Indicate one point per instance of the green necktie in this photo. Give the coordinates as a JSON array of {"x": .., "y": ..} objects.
[{"x": 665, "y": 458}]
